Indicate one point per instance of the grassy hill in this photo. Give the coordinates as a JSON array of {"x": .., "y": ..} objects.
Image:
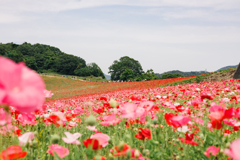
[
  {"x": 63, "y": 87},
  {"x": 186, "y": 74},
  {"x": 227, "y": 67}
]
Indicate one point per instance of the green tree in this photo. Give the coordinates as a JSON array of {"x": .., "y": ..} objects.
[
  {"x": 128, "y": 74},
  {"x": 83, "y": 72},
  {"x": 15, "y": 56},
  {"x": 31, "y": 63},
  {"x": 2, "y": 49},
  {"x": 118, "y": 67},
  {"x": 170, "y": 75}
]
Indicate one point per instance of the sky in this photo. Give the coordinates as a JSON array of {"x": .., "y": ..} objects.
[{"x": 163, "y": 35}]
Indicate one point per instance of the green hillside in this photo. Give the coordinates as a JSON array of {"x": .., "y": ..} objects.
[
  {"x": 185, "y": 74},
  {"x": 45, "y": 58}
]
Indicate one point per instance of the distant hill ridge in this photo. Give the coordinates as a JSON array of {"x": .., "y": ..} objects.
[
  {"x": 227, "y": 67},
  {"x": 186, "y": 74}
]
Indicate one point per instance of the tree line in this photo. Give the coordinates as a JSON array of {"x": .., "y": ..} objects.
[{"x": 44, "y": 58}]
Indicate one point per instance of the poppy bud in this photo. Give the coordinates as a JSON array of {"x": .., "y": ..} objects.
[
  {"x": 129, "y": 154},
  {"x": 121, "y": 145},
  {"x": 128, "y": 136},
  {"x": 34, "y": 144},
  {"x": 91, "y": 121},
  {"x": 55, "y": 139},
  {"x": 110, "y": 140},
  {"x": 98, "y": 158},
  {"x": 148, "y": 124},
  {"x": 35, "y": 133},
  {"x": 146, "y": 152},
  {"x": 155, "y": 121},
  {"x": 136, "y": 153},
  {"x": 113, "y": 103}
]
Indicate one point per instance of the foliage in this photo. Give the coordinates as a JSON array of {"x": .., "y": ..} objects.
[
  {"x": 149, "y": 75},
  {"x": 128, "y": 74},
  {"x": 185, "y": 74},
  {"x": 118, "y": 67},
  {"x": 170, "y": 75},
  {"x": 45, "y": 58}
]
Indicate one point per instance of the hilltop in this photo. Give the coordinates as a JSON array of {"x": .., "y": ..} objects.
[
  {"x": 186, "y": 74},
  {"x": 45, "y": 58},
  {"x": 227, "y": 67}
]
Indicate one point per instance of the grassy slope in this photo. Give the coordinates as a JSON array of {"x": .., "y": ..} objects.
[
  {"x": 198, "y": 79},
  {"x": 65, "y": 88}
]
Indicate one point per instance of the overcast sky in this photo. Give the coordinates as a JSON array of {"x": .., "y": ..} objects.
[{"x": 163, "y": 35}]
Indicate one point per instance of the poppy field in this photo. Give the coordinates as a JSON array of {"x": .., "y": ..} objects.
[
  {"x": 122, "y": 121},
  {"x": 65, "y": 88}
]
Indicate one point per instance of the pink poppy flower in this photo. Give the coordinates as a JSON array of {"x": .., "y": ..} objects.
[
  {"x": 20, "y": 87},
  {"x": 5, "y": 118},
  {"x": 48, "y": 94},
  {"x": 92, "y": 128},
  {"x": 178, "y": 121},
  {"x": 25, "y": 138},
  {"x": 234, "y": 151},
  {"x": 212, "y": 150},
  {"x": 102, "y": 138},
  {"x": 71, "y": 138},
  {"x": 131, "y": 111},
  {"x": 110, "y": 120},
  {"x": 59, "y": 150}
]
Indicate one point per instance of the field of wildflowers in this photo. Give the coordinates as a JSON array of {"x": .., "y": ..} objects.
[
  {"x": 65, "y": 88},
  {"x": 117, "y": 121}
]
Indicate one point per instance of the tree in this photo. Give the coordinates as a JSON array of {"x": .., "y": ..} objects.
[
  {"x": 118, "y": 67},
  {"x": 149, "y": 75},
  {"x": 170, "y": 75},
  {"x": 15, "y": 56},
  {"x": 90, "y": 69},
  {"x": 128, "y": 74}
]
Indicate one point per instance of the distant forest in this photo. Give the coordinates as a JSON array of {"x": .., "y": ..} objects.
[
  {"x": 185, "y": 74},
  {"x": 44, "y": 58}
]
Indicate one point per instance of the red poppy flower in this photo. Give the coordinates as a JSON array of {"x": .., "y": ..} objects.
[
  {"x": 103, "y": 98},
  {"x": 53, "y": 119},
  {"x": 94, "y": 143},
  {"x": 144, "y": 134},
  {"x": 68, "y": 118},
  {"x": 168, "y": 117},
  {"x": 13, "y": 152},
  {"x": 121, "y": 151},
  {"x": 18, "y": 132},
  {"x": 101, "y": 158},
  {"x": 188, "y": 139}
]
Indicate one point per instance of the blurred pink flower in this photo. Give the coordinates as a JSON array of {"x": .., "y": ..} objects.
[
  {"x": 71, "y": 138},
  {"x": 25, "y": 138},
  {"x": 178, "y": 121},
  {"x": 234, "y": 151},
  {"x": 20, "y": 86},
  {"x": 110, "y": 120},
  {"x": 102, "y": 138},
  {"x": 92, "y": 128},
  {"x": 131, "y": 111},
  {"x": 48, "y": 94},
  {"x": 59, "y": 150},
  {"x": 5, "y": 118},
  {"x": 27, "y": 119},
  {"x": 212, "y": 150}
]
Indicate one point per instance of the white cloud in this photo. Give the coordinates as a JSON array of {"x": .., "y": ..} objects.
[
  {"x": 104, "y": 40},
  {"x": 14, "y": 10},
  {"x": 61, "y": 5}
]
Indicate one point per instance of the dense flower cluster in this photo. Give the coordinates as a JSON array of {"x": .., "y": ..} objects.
[{"x": 201, "y": 119}]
